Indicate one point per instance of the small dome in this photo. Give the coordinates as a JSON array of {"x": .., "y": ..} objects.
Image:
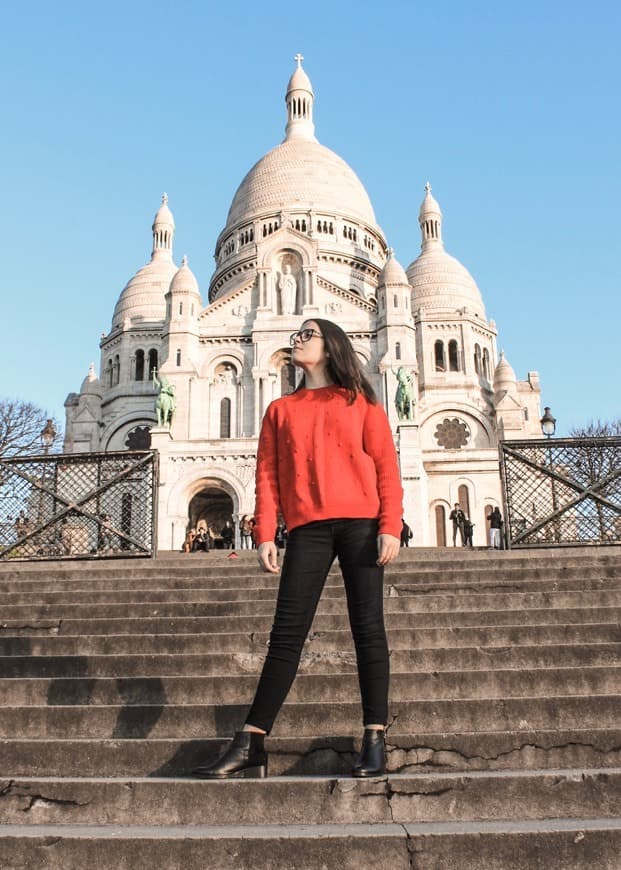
[
  {"x": 184, "y": 279},
  {"x": 393, "y": 272},
  {"x": 164, "y": 215},
  {"x": 143, "y": 295},
  {"x": 441, "y": 282},
  {"x": 429, "y": 206},
  {"x": 504, "y": 376},
  {"x": 299, "y": 81},
  {"x": 91, "y": 385}
]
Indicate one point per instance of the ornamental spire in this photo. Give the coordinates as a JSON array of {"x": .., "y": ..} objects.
[{"x": 430, "y": 221}]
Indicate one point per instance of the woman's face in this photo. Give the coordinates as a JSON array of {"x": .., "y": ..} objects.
[{"x": 309, "y": 354}]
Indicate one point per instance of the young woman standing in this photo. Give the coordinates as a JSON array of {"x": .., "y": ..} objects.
[{"x": 327, "y": 461}]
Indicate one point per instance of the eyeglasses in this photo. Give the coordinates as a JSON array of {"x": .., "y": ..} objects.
[{"x": 304, "y": 335}]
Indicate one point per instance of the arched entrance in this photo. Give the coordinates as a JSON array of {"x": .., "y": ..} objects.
[{"x": 211, "y": 507}]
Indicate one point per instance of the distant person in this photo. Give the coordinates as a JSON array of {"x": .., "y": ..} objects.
[
  {"x": 406, "y": 534},
  {"x": 495, "y": 523},
  {"x": 457, "y": 517},
  {"x": 245, "y": 533},
  {"x": 199, "y": 544},
  {"x": 468, "y": 530},
  {"x": 189, "y": 540},
  {"x": 227, "y": 534}
]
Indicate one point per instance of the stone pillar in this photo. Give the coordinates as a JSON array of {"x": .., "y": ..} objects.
[{"x": 414, "y": 481}]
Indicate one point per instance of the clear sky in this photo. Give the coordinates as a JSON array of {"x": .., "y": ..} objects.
[{"x": 510, "y": 110}]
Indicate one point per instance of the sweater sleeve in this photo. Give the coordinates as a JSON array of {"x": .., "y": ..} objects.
[
  {"x": 379, "y": 444},
  {"x": 267, "y": 498}
]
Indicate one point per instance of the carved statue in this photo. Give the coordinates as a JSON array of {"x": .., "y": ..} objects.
[
  {"x": 288, "y": 290},
  {"x": 165, "y": 403},
  {"x": 404, "y": 399}
]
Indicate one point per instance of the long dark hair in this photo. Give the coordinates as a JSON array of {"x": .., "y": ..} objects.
[{"x": 344, "y": 366}]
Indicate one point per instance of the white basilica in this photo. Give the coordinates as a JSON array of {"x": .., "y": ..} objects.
[{"x": 301, "y": 241}]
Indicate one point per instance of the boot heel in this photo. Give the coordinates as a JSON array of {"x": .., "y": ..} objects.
[{"x": 259, "y": 772}]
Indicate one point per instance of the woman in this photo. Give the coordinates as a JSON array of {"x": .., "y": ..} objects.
[{"x": 327, "y": 461}]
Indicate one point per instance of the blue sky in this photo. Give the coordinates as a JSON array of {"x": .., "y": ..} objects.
[{"x": 510, "y": 110}]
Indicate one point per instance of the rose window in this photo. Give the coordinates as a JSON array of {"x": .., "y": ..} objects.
[{"x": 452, "y": 433}]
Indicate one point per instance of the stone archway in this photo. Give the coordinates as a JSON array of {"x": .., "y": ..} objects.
[{"x": 211, "y": 506}]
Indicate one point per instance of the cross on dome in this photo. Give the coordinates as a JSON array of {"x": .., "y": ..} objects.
[
  {"x": 428, "y": 188},
  {"x": 184, "y": 260},
  {"x": 164, "y": 199},
  {"x": 299, "y": 57}
]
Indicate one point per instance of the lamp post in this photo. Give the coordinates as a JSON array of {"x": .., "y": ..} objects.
[
  {"x": 548, "y": 427},
  {"x": 47, "y": 436}
]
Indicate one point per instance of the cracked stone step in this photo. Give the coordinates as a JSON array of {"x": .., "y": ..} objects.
[
  {"x": 405, "y": 798},
  {"x": 527, "y": 602},
  {"x": 324, "y": 661},
  {"x": 325, "y": 639},
  {"x": 399, "y": 616},
  {"x": 325, "y": 755},
  {"x": 191, "y": 721},
  {"x": 311, "y": 688},
  {"x": 557, "y": 844},
  {"x": 472, "y": 580}
]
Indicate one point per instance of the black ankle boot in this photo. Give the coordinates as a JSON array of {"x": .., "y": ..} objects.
[
  {"x": 245, "y": 757},
  {"x": 372, "y": 758}
]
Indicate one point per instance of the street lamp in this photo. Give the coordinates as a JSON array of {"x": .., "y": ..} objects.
[
  {"x": 548, "y": 427},
  {"x": 548, "y": 423},
  {"x": 47, "y": 435}
]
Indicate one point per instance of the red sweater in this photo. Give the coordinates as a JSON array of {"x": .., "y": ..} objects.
[{"x": 320, "y": 459}]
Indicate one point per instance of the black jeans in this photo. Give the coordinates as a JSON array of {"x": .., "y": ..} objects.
[{"x": 311, "y": 549}]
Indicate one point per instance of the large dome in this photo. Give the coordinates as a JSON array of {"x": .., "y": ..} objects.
[
  {"x": 305, "y": 174},
  {"x": 441, "y": 282}
]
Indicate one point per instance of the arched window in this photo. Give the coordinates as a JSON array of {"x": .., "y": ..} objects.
[
  {"x": 116, "y": 371},
  {"x": 178, "y": 356},
  {"x": 287, "y": 379},
  {"x": 139, "y": 365},
  {"x": 395, "y": 301},
  {"x": 398, "y": 350},
  {"x": 486, "y": 363},
  {"x": 439, "y": 356},
  {"x": 478, "y": 367},
  {"x": 463, "y": 498},
  {"x": 225, "y": 418},
  {"x": 453, "y": 356},
  {"x": 181, "y": 308},
  {"x": 109, "y": 373},
  {"x": 440, "y": 526},
  {"x": 152, "y": 361}
]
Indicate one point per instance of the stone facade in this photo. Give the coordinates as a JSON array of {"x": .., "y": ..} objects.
[{"x": 301, "y": 241}]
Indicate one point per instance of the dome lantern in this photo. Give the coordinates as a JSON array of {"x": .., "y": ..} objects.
[
  {"x": 299, "y": 99},
  {"x": 430, "y": 221},
  {"x": 163, "y": 230}
]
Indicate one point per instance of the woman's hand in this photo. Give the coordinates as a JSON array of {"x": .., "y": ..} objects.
[
  {"x": 268, "y": 557},
  {"x": 387, "y": 548}
]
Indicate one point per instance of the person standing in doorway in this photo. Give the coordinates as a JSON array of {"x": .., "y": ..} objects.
[
  {"x": 457, "y": 517},
  {"x": 495, "y": 529},
  {"x": 327, "y": 459}
]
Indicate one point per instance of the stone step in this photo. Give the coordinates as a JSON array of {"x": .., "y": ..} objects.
[
  {"x": 399, "y": 613},
  {"x": 320, "y": 688},
  {"x": 556, "y": 844},
  {"x": 187, "y": 640},
  {"x": 207, "y": 720},
  {"x": 327, "y": 755},
  {"x": 464, "y": 578},
  {"x": 199, "y": 590},
  {"x": 328, "y": 661},
  {"x": 199, "y": 604},
  {"x": 287, "y": 800},
  {"x": 535, "y": 593}
]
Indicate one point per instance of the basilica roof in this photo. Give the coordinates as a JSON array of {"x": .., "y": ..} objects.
[{"x": 300, "y": 173}]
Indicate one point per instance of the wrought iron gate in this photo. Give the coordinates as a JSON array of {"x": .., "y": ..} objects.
[
  {"x": 562, "y": 491},
  {"x": 77, "y": 506}
]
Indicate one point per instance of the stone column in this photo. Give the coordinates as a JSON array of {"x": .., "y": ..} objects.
[{"x": 414, "y": 481}]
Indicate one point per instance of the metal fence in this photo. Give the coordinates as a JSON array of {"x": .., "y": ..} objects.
[
  {"x": 562, "y": 491},
  {"x": 77, "y": 506}
]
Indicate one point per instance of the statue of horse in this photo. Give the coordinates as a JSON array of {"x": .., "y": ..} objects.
[
  {"x": 165, "y": 403},
  {"x": 404, "y": 399}
]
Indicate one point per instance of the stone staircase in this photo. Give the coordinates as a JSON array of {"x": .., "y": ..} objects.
[{"x": 504, "y": 740}]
